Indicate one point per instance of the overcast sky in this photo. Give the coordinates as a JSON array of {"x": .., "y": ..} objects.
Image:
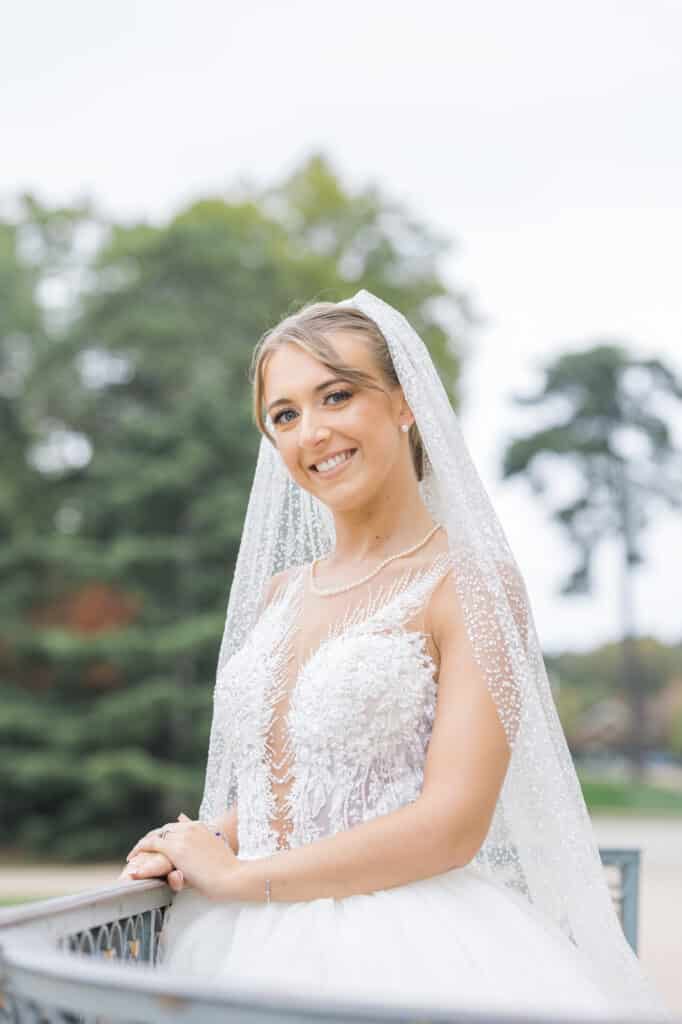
[{"x": 544, "y": 137}]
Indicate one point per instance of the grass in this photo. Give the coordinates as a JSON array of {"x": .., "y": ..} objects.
[
  {"x": 636, "y": 798},
  {"x": 16, "y": 901}
]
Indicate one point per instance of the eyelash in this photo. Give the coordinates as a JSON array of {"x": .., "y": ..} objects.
[{"x": 346, "y": 394}]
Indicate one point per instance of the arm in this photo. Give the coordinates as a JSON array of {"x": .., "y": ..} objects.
[{"x": 465, "y": 767}]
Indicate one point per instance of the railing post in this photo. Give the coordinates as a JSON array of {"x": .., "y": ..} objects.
[{"x": 631, "y": 897}]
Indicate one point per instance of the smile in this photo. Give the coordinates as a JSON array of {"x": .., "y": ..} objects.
[{"x": 335, "y": 465}]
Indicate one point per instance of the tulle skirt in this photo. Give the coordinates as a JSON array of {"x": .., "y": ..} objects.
[{"x": 457, "y": 940}]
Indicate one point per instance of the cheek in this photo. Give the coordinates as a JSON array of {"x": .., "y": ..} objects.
[
  {"x": 288, "y": 451},
  {"x": 367, "y": 424},
  {"x": 376, "y": 432},
  {"x": 291, "y": 457}
]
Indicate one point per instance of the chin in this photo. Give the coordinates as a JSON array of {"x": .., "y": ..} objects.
[{"x": 354, "y": 498}]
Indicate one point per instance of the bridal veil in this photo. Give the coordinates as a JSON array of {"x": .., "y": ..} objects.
[{"x": 540, "y": 842}]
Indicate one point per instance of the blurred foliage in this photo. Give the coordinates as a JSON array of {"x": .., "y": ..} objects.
[
  {"x": 675, "y": 741},
  {"x": 602, "y": 405},
  {"x": 597, "y": 673},
  {"x": 603, "y": 419},
  {"x": 127, "y": 457}
]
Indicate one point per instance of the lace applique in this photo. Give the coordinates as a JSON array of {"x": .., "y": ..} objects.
[{"x": 341, "y": 736}]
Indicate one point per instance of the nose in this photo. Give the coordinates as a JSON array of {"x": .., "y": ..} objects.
[{"x": 312, "y": 432}]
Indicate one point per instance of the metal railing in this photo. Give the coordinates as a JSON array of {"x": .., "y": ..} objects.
[
  {"x": 622, "y": 870},
  {"x": 89, "y": 959}
]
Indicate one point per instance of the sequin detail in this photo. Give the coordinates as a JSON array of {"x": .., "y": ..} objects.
[{"x": 340, "y": 738}]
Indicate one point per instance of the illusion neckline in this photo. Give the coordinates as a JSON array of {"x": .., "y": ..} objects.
[
  {"x": 333, "y": 591},
  {"x": 361, "y": 615}
]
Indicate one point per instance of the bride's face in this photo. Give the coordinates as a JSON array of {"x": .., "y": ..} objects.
[{"x": 317, "y": 416}]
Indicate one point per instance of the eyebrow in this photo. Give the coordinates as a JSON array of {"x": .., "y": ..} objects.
[{"x": 318, "y": 387}]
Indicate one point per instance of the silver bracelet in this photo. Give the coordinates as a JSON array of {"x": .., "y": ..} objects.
[{"x": 267, "y": 891}]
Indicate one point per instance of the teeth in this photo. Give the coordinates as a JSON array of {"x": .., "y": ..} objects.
[{"x": 330, "y": 463}]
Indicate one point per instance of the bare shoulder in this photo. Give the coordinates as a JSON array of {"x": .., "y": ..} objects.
[
  {"x": 446, "y": 614},
  {"x": 444, "y": 618},
  {"x": 277, "y": 582}
]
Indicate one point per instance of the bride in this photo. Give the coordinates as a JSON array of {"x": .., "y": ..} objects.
[{"x": 390, "y": 811}]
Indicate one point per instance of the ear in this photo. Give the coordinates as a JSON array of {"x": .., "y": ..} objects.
[
  {"x": 405, "y": 409},
  {"x": 399, "y": 401}
]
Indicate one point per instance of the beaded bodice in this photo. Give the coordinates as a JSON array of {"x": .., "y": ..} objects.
[{"x": 326, "y": 710}]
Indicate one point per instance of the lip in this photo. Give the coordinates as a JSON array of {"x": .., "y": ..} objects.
[{"x": 337, "y": 469}]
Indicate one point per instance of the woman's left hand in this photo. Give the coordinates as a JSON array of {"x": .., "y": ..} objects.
[{"x": 207, "y": 862}]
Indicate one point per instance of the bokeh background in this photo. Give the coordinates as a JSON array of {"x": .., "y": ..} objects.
[{"x": 174, "y": 179}]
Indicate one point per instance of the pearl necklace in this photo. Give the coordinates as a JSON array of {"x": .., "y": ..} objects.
[{"x": 370, "y": 575}]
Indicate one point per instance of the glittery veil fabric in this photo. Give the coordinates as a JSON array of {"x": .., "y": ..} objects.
[{"x": 540, "y": 843}]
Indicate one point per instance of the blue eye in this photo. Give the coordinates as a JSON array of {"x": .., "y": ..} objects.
[
  {"x": 278, "y": 417},
  {"x": 344, "y": 394},
  {"x": 332, "y": 394}
]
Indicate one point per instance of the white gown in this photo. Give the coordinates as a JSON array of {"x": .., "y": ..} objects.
[{"x": 327, "y": 710}]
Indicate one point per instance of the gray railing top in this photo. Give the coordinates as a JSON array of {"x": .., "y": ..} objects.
[
  {"x": 141, "y": 993},
  {"x": 52, "y": 918}
]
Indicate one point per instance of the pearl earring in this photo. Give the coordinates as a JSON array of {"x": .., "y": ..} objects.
[{"x": 405, "y": 427}]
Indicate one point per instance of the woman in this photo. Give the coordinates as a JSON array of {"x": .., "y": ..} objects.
[{"x": 398, "y": 818}]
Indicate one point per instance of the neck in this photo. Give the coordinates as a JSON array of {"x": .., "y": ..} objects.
[{"x": 381, "y": 529}]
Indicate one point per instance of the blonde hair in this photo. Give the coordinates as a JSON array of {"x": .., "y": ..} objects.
[{"x": 308, "y": 328}]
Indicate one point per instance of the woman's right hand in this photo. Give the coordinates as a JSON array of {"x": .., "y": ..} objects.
[{"x": 153, "y": 865}]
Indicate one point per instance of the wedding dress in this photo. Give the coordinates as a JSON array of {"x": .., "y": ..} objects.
[
  {"x": 323, "y": 710},
  {"x": 330, "y": 704}
]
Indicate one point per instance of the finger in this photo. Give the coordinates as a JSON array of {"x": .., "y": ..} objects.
[
  {"x": 176, "y": 880},
  {"x": 138, "y": 865},
  {"x": 142, "y": 839},
  {"x": 146, "y": 843},
  {"x": 133, "y": 849},
  {"x": 133, "y": 864},
  {"x": 152, "y": 845},
  {"x": 148, "y": 865},
  {"x": 129, "y": 876},
  {"x": 147, "y": 835}
]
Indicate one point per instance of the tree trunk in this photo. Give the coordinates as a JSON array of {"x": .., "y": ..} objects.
[{"x": 635, "y": 747}]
